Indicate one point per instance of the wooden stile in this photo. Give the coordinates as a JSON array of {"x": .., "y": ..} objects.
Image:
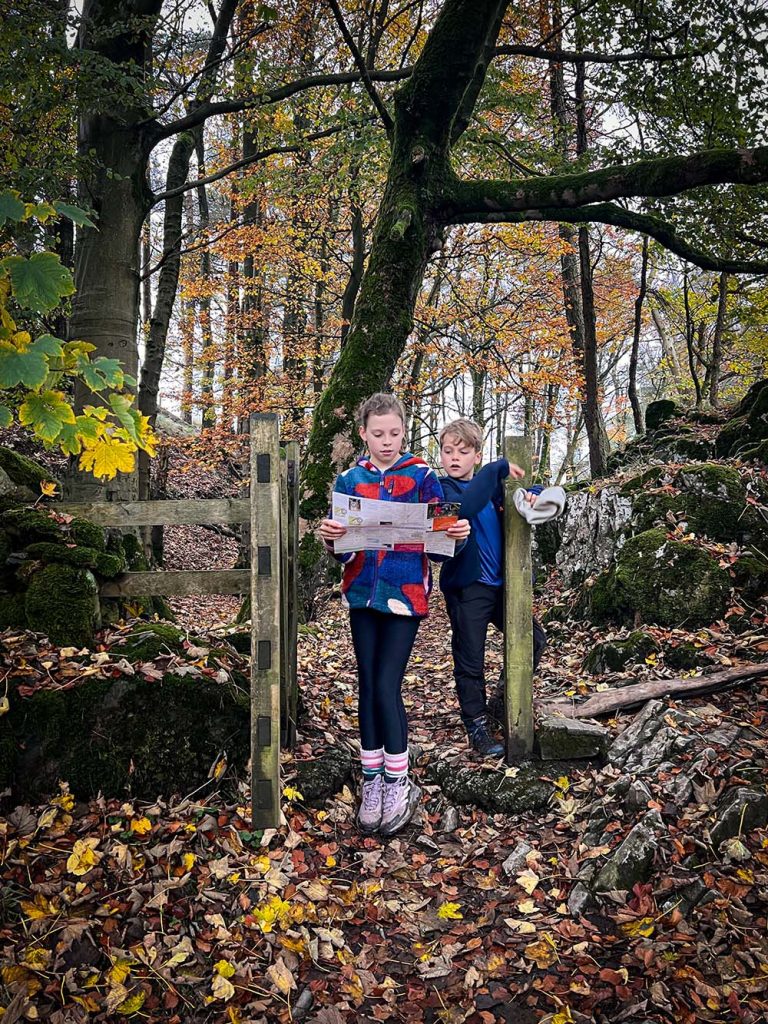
[
  {"x": 165, "y": 512},
  {"x": 518, "y": 612},
  {"x": 265, "y": 621}
]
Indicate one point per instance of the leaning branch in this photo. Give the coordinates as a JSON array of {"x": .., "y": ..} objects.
[
  {"x": 470, "y": 201},
  {"x": 594, "y": 57}
]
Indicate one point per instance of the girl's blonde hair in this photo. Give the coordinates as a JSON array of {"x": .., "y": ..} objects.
[
  {"x": 467, "y": 431},
  {"x": 379, "y": 405}
]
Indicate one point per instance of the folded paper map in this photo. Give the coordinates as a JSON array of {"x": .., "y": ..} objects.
[{"x": 374, "y": 525}]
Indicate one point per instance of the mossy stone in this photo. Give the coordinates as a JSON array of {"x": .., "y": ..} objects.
[
  {"x": 670, "y": 582},
  {"x": 657, "y": 412},
  {"x": 684, "y": 656},
  {"x": 87, "y": 534},
  {"x": 755, "y": 392},
  {"x": 108, "y": 565},
  {"x": 27, "y": 525},
  {"x": 21, "y": 470},
  {"x": 641, "y": 480},
  {"x": 12, "y": 612},
  {"x": 605, "y": 600},
  {"x": 323, "y": 776},
  {"x": 134, "y": 554},
  {"x": 615, "y": 655},
  {"x": 60, "y": 554},
  {"x": 118, "y": 737},
  {"x": 734, "y": 434},
  {"x": 149, "y": 640},
  {"x": 62, "y": 602}
]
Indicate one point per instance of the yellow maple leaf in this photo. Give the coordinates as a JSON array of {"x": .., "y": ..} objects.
[
  {"x": 450, "y": 911},
  {"x": 224, "y": 968},
  {"x": 119, "y": 971},
  {"x": 48, "y": 488},
  {"x": 40, "y": 908},
  {"x": 563, "y": 1017},
  {"x": 83, "y": 857},
  {"x": 528, "y": 880},
  {"x": 292, "y": 794},
  {"x": 107, "y": 456},
  {"x": 141, "y": 826},
  {"x": 543, "y": 952},
  {"x": 188, "y": 860},
  {"x": 644, "y": 927}
]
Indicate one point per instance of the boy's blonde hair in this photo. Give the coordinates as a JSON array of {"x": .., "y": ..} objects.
[
  {"x": 379, "y": 405},
  {"x": 467, "y": 431}
]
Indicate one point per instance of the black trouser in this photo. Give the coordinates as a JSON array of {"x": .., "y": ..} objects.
[
  {"x": 470, "y": 610},
  {"x": 383, "y": 646}
]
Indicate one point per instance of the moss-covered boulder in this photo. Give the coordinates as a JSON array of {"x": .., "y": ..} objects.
[
  {"x": 13, "y": 614},
  {"x": 27, "y": 525},
  {"x": 685, "y": 656},
  {"x": 20, "y": 477},
  {"x": 122, "y": 736},
  {"x": 657, "y": 412},
  {"x": 86, "y": 558},
  {"x": 323, "y": 776},
  {"x": 62, "y": 602},
  {"x": 150, "y": 640},
  {"x": 745, "y": 433},
  {"x": 751, "y": 573},
  {"x": 615, "y": 655},
  {"x": 87, "y": 534},
  {"x": 710, "y": 498},
  {"x": 655, "y": 579}
]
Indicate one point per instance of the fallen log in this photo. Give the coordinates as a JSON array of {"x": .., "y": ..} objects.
[{"x": 631, "y": 696}]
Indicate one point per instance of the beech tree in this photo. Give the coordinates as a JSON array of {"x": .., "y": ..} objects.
[{"x": 424, "y": 196}]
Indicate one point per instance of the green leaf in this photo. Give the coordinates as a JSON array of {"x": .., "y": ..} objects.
[
  {"x": 128, "y": 417},
  {"x": 49, "y": 345},
  {"x": 6, "y": 416},
  {"x": 75, "y": 214},
  {"x": 40, "y": 282},
  {"x": 72, "y": 434},
  {"x": 46, "y": 413},
  {"x": 101, "y": 373},
  {"x": 11, "y": 208},
  {"x": 29, "y": 367}
]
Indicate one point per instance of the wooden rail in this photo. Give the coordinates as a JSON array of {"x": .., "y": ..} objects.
[
  {"x": 178, "y": 584},
  {"x": 184, "y": 512}
]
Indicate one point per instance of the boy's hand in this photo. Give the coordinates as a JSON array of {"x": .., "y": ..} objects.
[
  {"x": 330, "y": 530},
  {"x": 515, "y": 471},
  {"x": 530, "y": 497},
  {"x": 460, "y": 530}
]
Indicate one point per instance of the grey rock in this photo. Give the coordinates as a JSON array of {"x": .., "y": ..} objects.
[
  {"x": 638, "y": 796},
  {"x": 592, "y": 532},
  {"x": 560, "y": 737},
  {"x": 738, "y": 812},
  {"x": 516, "y": 861},
  {"x": 581, "y": 900},
  {"x": 450, "y": 819},
  {"x": 632, "y": 861}
]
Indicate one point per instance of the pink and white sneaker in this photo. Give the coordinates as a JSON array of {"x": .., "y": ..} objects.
[
  {"x": 401, "y": 798},
  {"x": 371, "y": 798}
]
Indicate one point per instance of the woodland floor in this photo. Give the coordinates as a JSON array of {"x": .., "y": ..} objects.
[{"x": 178, "y": 912}]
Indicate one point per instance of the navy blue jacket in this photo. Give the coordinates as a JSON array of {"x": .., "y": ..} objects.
[{"x": 487, "y": 485}]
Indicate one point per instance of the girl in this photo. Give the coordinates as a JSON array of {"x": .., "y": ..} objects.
[{"x": 387, "y": 594}]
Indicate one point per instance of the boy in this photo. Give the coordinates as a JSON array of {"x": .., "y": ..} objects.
[{"x": 473, "y": 581}]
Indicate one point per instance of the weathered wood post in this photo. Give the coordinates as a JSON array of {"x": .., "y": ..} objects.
[
  {"x": 265, "y": 621},
  {"x": 518, "y": 612},
  {"x": 291, "y": 590}
]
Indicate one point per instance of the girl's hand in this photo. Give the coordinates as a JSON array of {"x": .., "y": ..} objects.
[
  {"x": 330, "y": 530},
  {"x": 460, "y": 530},
  {"x": 515, "y": 471}
]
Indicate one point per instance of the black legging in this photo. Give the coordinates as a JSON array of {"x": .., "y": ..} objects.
[{"x": 382, "y": 645}]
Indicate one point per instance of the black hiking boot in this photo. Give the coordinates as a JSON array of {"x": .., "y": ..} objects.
[{"x": 481, "y": 739}]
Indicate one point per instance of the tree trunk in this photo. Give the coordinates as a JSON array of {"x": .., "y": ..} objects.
[
  {"x": 208, "y": 353},
  {"x": 634, "y": 401},
  {"x": 717, "y": 340},
  {"x": 690, "y": 332},
  {"x": 599, "y": 446}
]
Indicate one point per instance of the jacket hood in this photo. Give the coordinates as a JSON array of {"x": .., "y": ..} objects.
[{"x": 405, "y": 460}]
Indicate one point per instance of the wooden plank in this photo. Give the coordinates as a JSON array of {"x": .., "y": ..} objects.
[
  {"x": 518, "y": 612},
  {"x": 177, "y": 584},
  {"x": 171, "y": 512},
  {"x": 631, "y": 696},
  {"x": 265, "y": 621}
]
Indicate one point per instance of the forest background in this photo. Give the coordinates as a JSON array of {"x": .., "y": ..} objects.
[{"x": 281, "y": 226}]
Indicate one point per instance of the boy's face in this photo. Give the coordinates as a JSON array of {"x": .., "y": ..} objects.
[{"x": 458, "y": 458}]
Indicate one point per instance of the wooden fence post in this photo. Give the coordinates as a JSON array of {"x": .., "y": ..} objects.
[
  {"x": 518, "y": 612},
  {"x": 265, "y": 621},
  {"x": 290, "y": 592}
]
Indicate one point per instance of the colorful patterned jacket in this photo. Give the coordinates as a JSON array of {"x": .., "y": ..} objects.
[{"x": 398, "y": 582}]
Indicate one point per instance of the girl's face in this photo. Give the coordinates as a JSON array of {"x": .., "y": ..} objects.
[{"x": 383, "y": 436}]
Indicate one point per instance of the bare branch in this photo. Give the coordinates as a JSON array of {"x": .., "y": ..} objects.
[
  {"x": 593, "y": 57},
  {"x": 364, "y": 75}
]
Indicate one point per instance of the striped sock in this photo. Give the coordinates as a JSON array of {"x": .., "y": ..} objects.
[
  {"x": 372, "y": 761},
  {"x": 395, "y": 766}
]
